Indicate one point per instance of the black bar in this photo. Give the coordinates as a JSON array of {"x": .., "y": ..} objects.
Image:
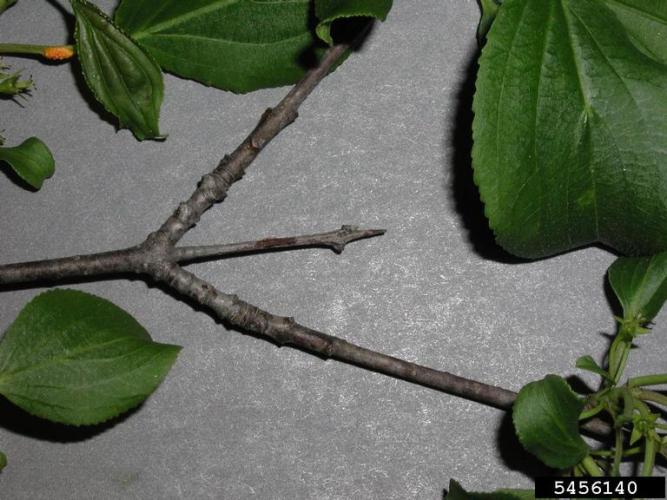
[{"x": 600, "y": 487}]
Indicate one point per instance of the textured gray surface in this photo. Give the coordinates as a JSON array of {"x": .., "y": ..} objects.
[{"x": 376, "y": 145}]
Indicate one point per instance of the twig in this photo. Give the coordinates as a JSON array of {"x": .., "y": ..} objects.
[
  {"x": 157, "y": 258},
  {"x": 336, "y": 240}
]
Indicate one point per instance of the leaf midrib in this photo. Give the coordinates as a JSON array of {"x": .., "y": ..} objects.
[
  {"x": 192, "y": 14},
  {"x": 587, "y": 109},
  {"x": 56, "y": 360},
  {"x": 227, "y": 40}
]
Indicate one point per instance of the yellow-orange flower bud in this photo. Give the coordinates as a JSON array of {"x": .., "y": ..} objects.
[{"x": 59, "y": 53}]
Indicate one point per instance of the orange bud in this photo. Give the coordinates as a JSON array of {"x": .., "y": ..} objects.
[{"x": 59, "y": 53}]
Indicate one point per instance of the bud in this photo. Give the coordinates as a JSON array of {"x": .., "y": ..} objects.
[{"x": 58, "y": 53}]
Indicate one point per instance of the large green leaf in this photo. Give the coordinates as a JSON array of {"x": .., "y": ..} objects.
[
  {"x": 328, "y": 11},
  {"x": 456, "y": 492},
  {"x": 31, "y": 160},
  {"x": 546, "y": 420},
  {"x": 121, "y": 74},
  {"x": 237, "y": 45},
  {"x": 640, "y": 283},
  {"x": 570, "y": 136},
  {"x": 78, "y": 359}
]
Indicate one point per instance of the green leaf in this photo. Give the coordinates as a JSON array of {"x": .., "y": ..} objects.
[
  {"x": 31, "y": 160},
  {"x": 328, "y": 11},
  {"x": 570, "y": 140},
  {"x": 588, "y": 363},
  {"x": 78, "y": 359},
  {"x": 456, "y": 492},
  {"x": 640, "y": 283},
  {"x": 236, "y": 45},
  {"x": 546, "y": 419},
  {"x": 3, "y": 461},
  {"x": 121, "y": 74}
]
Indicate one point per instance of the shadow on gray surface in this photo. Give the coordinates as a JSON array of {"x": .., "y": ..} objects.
[
  {"x": 15, "y": 420},
  {"x": 462, "y": 187},
  {"x": 14, "y": 177}
]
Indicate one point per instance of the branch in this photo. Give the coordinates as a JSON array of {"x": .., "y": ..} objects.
[
  {"x": 78, "y": 266},
  {"x": 284, "y": 331},
  {"x": 157, "y": 257},
  {"x": 336, "y": 240},
  {"x": 135, "y": 259}
]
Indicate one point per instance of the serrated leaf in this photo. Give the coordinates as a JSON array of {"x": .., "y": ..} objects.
[
  {"x": 121, "y": 74},
  {"x": 588, "y": 363},
  {"x": 31, "y": 160},
  {"x": 78, "y": 359},
  {"x": 546, "y": 420},
  {"x": 640, "y": 283},
  {"x": 235, "y": 45},
  {"x": 328, "y": 11},
  {"x": 569, "y": 120},
  {"x": 456, "y": 492}
]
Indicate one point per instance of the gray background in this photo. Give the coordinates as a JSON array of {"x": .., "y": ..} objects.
[{"x": 381, "y": 143}]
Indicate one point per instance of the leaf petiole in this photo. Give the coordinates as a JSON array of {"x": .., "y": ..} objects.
[
  {"x": 649, "y": 457},
  {"x": 591, "y": 467},
  {"x": 657, "y": 379},
  {"x": 653, "y": 396}
]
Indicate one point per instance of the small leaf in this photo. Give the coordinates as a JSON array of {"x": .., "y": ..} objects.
[
  {"x": 640, "y": 283},
  {"x": 588, "y": 363},
  {"x": 570, "y": 140},
  {"x": 75, "y": 358},
  {"x": 121, "y": 74},
  {"x": 546, "y": 419},
  {"x": 31, "y": 160},
  {"x": 328, "y": 11},
  {"x": 456, "y": 492},
  {"x": 3, "y": 461}
]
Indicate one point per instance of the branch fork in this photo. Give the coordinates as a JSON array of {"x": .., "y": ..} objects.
[{"x": 159, "y": 258}]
